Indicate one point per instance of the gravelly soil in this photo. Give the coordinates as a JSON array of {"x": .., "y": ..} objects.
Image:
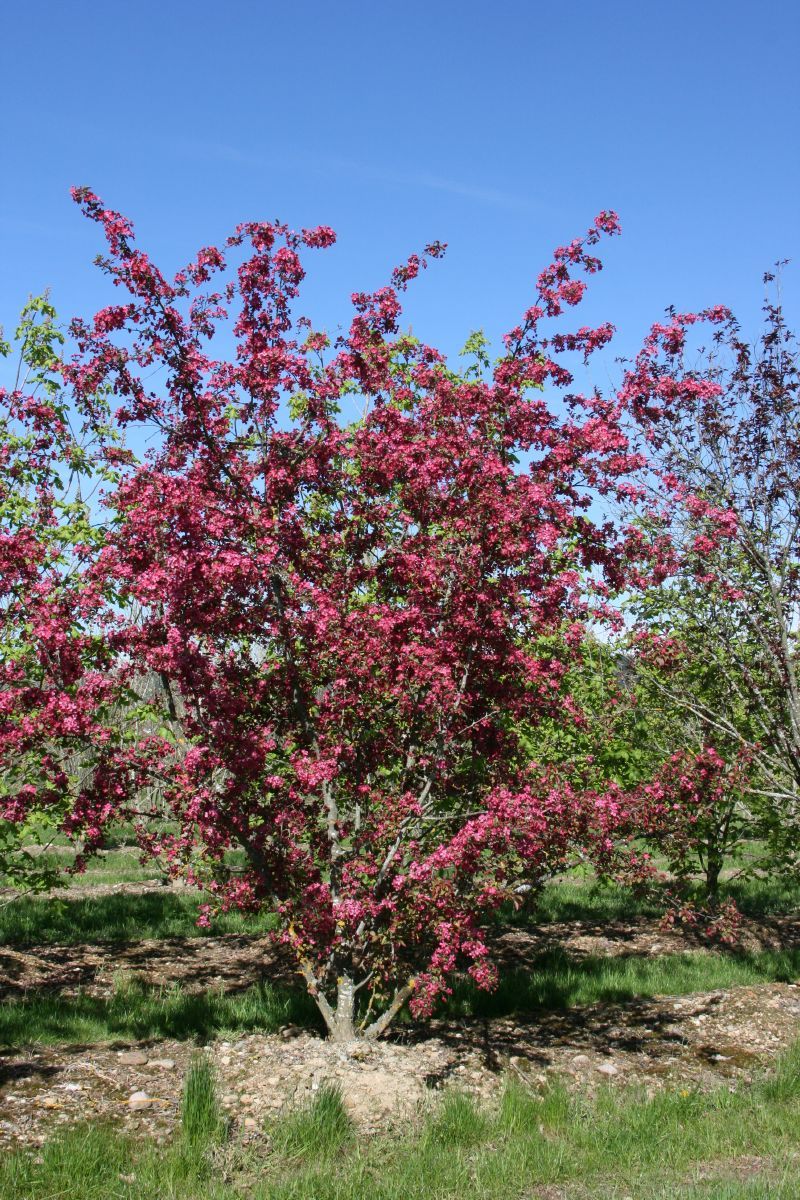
[{"x": 699, "y": 1041}]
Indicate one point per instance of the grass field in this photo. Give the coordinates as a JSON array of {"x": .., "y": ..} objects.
[{"x": 70, "y": 915}]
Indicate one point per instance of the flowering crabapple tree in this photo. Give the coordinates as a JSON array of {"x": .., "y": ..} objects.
[
  {"x": 323, "y": 602},
  {"x": 719, "y": 633}
]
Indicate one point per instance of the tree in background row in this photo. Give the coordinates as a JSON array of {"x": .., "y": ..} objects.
[
  {"x": 54, "y": 660},
  {"x": 717, "y": 638},
  {"x": 694, "y": 707}
]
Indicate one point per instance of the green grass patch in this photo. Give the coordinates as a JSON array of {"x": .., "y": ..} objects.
[
  {"x": 121, "y": 862},
  {"x": 316, "y": 1130},
  {"x": 134, "y": 1011},
  {"x": 116, "y": 917},
  {"x": 554, "y": 982},
  {"x": 202, "y": 1123},
  {"x": 125, "y": 917},
  {"x": 66, "y": 919},
  {"x": 770, "y": 896},
  {"x": 579, "y": 896},
  {"x": 679, "y": 1144},
  {"x": 116, "y": 866}
]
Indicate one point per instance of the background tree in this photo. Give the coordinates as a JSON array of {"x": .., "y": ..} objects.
[
  {"x": 686, "y": 787},
  {"x": 723, "y": 439},
  {"x": 53, "y": 660}
]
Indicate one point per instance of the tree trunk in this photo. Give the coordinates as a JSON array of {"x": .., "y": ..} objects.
[
  {"x": 714, "y": 863},
  {"x": 340, "y": 1020}
]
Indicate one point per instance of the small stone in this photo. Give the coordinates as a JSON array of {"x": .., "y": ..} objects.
[
  {"x": 607, "y": 1069},
  {"x": 162, "y": 1064},
  {"x": 72, "y": 1087},
  {"x": 139, "y": 1101},
  {"x": 250, "y": 1123},
  {"x": 580, "y": 1060},
  {"x": 133, "y": 1058}
]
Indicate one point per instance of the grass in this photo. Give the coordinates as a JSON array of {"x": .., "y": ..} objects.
[
  {"x": 680, "y": 1144},
  {"x": 553, "y": 982},
  {"x": 202, "y": 1122},
  {"x": 117, "y": 866},
  {"x": 580, "y": 897},
  {"x": 457, "y": 1122},
  {"x": 126, "y": 917},
  {"x": 577, "y": 897},
  {"x": 121, "y": 862},
  {"x": 766, "y": 897},
  {"x": 317, "y": 1130},
  {"x": 134, "y": 1011},
  {"x": 118, "y": 917}
]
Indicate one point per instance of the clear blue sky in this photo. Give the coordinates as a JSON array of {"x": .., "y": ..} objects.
[{"x": 500, "y": 128}]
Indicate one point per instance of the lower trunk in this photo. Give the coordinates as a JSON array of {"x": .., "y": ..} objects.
[
  {"x": 340, "y": 1020},
  {"x": 713, "y": 870}
]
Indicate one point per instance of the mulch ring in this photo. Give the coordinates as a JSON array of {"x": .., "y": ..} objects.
[{"x": 698, "y": 1041}]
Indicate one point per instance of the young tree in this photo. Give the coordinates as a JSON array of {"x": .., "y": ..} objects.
[
  {"x": 327, "y": 576},
  {"x": 686, "y": 786}
]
